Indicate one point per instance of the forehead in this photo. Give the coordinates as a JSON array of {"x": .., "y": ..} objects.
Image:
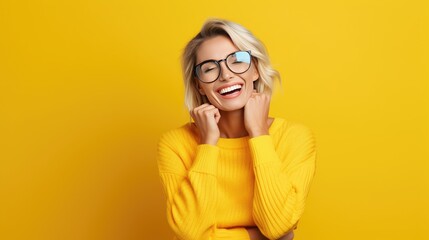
[{"x": 215, "y": 48}]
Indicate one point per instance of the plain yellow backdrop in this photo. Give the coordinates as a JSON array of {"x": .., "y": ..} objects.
[{"x": 87, "y": 87}]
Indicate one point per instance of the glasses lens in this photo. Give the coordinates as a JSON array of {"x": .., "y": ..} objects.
[
  {"x": 208, "y": 72},
  {"x": 239, "y": 62}
]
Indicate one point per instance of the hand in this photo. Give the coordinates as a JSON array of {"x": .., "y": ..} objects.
[
  {"x": 288, "y": 236},
  {"x": 206, "y": 118},
  {"x": 255, "y": 234},
  {"x": 256, "y": 114}
]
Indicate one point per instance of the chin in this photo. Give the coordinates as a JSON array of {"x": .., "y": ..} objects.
[
  {"x": 230, "y": 104},
  {"x": 230, "y": 107}
]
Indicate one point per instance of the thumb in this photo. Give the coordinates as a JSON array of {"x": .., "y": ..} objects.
[{"x": 254, "y": 93}]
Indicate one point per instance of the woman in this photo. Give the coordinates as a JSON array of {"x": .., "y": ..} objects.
[{"x": 235, "y": 172}]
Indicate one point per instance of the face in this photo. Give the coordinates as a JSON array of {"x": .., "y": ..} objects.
[{"x": 230, "y": 91}]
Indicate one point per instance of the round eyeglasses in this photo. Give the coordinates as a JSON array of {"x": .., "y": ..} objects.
[{"x": 210, "y": 70}]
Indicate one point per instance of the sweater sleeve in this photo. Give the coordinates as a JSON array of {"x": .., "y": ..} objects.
[
  {"x": 191, "y": 193},
  {"x": 282, "y": 178},
  {"x": 238, "y": 233}
]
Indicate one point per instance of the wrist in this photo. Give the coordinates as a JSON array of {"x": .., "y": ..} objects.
[
  {"x": 210, "y": 141},
  {"x": 258, "y": 132}
]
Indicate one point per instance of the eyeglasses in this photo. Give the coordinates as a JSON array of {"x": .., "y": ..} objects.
[{"x": 210, "y": 70}]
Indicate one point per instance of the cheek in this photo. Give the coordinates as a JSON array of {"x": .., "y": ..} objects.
[
  {"x": 204, "y": 89},
  {"x": 251, "y": 77},
  {"x": 255, "y": 74}
]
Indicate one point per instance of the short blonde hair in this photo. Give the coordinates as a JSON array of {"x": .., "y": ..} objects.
[{"x": 244, "y": 40}]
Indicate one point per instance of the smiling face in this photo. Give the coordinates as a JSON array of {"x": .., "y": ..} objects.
[{"x": 230, "y": 91}]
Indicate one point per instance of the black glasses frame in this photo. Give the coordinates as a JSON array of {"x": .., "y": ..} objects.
[{"x": 217, "y": 62}]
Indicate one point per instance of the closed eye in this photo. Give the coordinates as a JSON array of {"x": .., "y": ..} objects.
[{"x": 208, "y": 70}]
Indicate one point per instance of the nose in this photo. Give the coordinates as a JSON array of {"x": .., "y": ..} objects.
[{"x": 225, "y": 73}]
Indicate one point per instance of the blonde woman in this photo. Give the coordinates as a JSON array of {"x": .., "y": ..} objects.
[{"x": 234, "y": 172}]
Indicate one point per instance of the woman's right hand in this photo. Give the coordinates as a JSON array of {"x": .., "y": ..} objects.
[{"x": 206, "y": 118}]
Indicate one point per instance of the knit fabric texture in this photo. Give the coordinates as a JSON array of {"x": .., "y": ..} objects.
[{"x": 215, "y": 192}]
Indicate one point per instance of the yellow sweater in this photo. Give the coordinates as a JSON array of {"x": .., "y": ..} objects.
[{"x": 214, "y": 192}]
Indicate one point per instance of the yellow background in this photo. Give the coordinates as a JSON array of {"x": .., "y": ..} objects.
[{"x": 87, "y": 87}]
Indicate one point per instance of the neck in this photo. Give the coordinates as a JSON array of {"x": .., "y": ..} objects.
[{"x": 231, "y": 124}]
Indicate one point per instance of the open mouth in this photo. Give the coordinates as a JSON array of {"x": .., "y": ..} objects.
[{"x": 230, "y": 90}]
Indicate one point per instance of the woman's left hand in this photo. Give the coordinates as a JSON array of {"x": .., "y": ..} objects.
[
  {"x": 255, "y": 234},
  {"x": 256, "y": 114}
]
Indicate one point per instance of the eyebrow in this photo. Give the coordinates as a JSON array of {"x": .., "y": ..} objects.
[{"x": 211, "y": 60}]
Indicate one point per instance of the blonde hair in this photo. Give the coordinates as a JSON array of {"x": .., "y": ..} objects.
[{"x": 244, "y": 40}]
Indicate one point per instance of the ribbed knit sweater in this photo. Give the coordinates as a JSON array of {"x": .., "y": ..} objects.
[{"x": 215, "y": 192}]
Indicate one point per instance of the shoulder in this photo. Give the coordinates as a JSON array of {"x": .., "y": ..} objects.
[
  {"x": 186, "y": 134},
  {"x": 176, "y": 149},
  {"x": 285, "y": 130},
  {"x": 283, "y": 126},
  {"x": 295, "y": 142}
]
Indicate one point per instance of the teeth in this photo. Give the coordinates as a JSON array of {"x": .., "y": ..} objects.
[{"x": 229, "y": 89}]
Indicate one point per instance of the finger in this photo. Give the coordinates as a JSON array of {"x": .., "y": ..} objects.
[
  {"x": 217, "y": 115},
  {"x": 206, "y": 111},
  {"x": 194, "y": 112},
  {"x": 200, "y": 109},
  {"x": 212, "y": 112},
  {"x": 203, "y": 113},
  {"x": 267, "y": 96},
  {"x": 254, "y": 94},
  {"x": 201, "y": 106}
]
